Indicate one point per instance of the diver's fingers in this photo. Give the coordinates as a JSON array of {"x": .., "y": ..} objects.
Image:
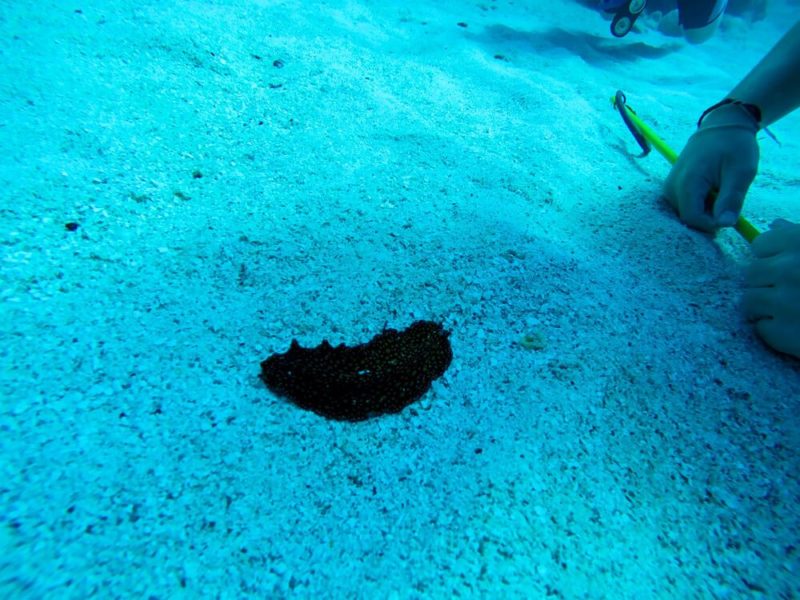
[
  {"x": 772, "y": 242},
  {"x": 778, "y": 223},
  {"x": 692, "y": 203},
  {"x": 783, "y": 337},
  {"x": 758, "y": 303},
  {"x": 763, "y": 272},
  {"x": 770, "y": 332},
  {"x": 670, "y": 191},
  {"x": 729, "y": 201}
]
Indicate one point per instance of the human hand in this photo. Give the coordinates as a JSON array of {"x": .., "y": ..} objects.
[
  {"x": 720, "y": 158},
  {"x": 772, "y": 294}
]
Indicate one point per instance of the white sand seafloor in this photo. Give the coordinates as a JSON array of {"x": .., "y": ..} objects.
[{"x": 393, "y": 166}]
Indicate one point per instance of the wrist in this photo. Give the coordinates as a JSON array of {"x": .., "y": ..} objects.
[{"x": 731, "y": 113}]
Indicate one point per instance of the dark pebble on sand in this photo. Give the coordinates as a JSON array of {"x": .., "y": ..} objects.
[{"x": 71, "y": 226}]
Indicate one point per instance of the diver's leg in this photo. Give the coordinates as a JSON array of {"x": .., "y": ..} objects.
[{"x": 700, "y": 18}]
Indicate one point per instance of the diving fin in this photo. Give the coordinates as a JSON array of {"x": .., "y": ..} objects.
[{"x": 626, "y": 16}]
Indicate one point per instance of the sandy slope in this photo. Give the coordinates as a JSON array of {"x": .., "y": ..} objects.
[{"x": 395, "y": 166}]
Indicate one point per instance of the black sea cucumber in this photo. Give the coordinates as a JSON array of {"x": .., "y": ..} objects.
[{"x": 392, "y": 370}]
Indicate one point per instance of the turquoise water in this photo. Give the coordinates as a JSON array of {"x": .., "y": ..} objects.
[{"x": 189, "y": 186}]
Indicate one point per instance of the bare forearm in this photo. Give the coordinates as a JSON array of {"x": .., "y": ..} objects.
[{"x": 774, "y": 84}]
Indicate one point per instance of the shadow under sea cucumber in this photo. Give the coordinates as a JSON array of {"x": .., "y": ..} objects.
[{"x": 353, "y": 383}]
